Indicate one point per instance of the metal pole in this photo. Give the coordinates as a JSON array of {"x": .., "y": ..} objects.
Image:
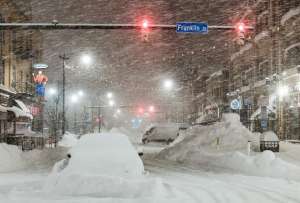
[
  {"x": 76, "y": 26},
  {"x": 64, "y": 102},
  {"x": 75, "y": 122},
  {"x": 99, "y": 123},
  {"x": 64, "y": 58}
]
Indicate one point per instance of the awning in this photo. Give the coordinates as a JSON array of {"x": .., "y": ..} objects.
[{"x": 20, "y": 110}]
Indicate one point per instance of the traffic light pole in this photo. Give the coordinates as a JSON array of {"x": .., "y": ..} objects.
[
  {"x": 64, "y": 58},
  {"x": 81, "y": 26}
]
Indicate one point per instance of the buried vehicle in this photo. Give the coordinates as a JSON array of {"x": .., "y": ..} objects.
[
  {"x": 99, "y": 164},
  {"x": 269, "y": 141},
  {"x": 163, "y": 132}
]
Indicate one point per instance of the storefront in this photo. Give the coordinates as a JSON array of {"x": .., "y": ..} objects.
[{"x": 3, "y": 124}]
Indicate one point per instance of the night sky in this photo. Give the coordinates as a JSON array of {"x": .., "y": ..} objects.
[{"x": 123, "y": 61}]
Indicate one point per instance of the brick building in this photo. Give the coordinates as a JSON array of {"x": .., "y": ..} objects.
[
  {"x": 19, "y": 50},
  {"x": 268, "y": 60}
]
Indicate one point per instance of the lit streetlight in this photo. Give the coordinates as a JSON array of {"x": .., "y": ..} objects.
[
  {"x": 282, "y": 91},
  {"x": 80, "y": 93},
  {"x": 86, "y": 59},
  {"x": 111, "y": 103},
  {"x": 74, "y": 98},
  {"x": 52, "y": 91},
  {"x": 109, "y": 95},
  {"x": 168, "y": 84}
]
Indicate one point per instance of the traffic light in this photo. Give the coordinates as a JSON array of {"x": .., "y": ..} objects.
[
  {"x": 241, "y": 27},
  {"x": 241, "y": 31},
  {"x": 145, "y": 30},
  {"x": 145, "y": 24},
  {"x": 141, "y": 110}
]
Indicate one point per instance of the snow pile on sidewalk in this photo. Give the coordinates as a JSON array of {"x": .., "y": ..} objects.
[
  {"x": 224, "y": 136},
  {"x": 10, "y": 158},
  {"x": 13, "y": 159},
  {"x": 263, "y": 164},
  {"x": 223, "y": 146},
  {"x": 104, "y": 165},
  {"x": 68, "y": 140}
]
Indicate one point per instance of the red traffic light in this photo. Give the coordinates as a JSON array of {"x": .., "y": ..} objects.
[
  {"x": 145, "y": 24},
  {"x": 140, "y": 110},
  {"x": 241, "y": 27}
]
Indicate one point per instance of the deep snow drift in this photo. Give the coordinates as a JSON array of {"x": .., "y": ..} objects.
[
  {"x": 104, "y": 165},
  {"x": 10, "y": 158},
  {"x": 68, "y": 140},
  {"x": 223, "y": 145},
  {"x": 14, "y": 159}
]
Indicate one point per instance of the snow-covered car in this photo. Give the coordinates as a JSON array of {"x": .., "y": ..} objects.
[
  {"x": 269, "y": 141},
  {"x": 163, "y": 132}
]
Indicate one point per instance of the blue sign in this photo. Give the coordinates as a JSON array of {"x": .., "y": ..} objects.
[
  {"x": 136, "y": 122},
  {"x": 264, "y": 124},
  {"x": 192, "y": 27},
  {"x": 235, "y": 104}
]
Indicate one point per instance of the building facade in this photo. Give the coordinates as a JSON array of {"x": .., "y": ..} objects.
[
  {"x": 19, "y": 50},
  {"x": 268, "y": 61}
]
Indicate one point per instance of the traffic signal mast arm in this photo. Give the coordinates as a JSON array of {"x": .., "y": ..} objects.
[{"x": 62, "y": 26}]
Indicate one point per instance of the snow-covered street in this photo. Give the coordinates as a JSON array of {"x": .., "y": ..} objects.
[
  {"x": 199, "y": 186},
  {"x": 180, "y": 184},
  {"x": 106, "y": 168}
]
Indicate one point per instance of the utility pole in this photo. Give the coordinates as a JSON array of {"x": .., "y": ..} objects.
[
  {"x": 100, "y": 120},
  {"x": 64, "y": 58}
]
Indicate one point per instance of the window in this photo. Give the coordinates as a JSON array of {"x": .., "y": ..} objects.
[{"x": 1, "y": 52}]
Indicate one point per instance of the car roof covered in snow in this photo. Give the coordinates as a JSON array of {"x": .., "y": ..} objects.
[{"x": 269, "y": 136}]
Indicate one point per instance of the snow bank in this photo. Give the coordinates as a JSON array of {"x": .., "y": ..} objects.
[
  {"x": 68, "y": 140},
  {"x": 227, "y": 135},
  {"x": 10, "y": 158},
  {"x": 103, "y": 164},
  {"x": 14, "y": 159},
  {"x": 263, "y": 164},
  {"x": 220, "y": 147}
]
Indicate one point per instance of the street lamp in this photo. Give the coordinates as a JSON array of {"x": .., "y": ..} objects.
[
  {"x": 86, "y": 59},
  {"x": 109, "y": 95},
  {"x": 168, "y": 84},
  {"x": 111, "y": 103},
  {"x": 74, "y": 98},
  {"x": 52, "y": 91},
  {"x": 80, "y": 93},
  {"x": 282, "y": 91}
]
